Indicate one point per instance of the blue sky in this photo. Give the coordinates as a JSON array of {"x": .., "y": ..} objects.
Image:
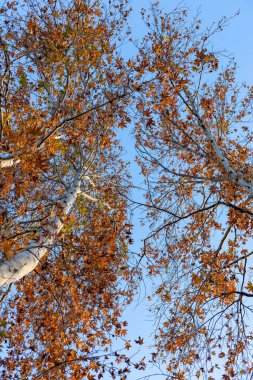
[{"x": 236, "y": 38}]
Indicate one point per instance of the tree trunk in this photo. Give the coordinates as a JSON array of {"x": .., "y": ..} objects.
[{"x": 24, "y": 262}]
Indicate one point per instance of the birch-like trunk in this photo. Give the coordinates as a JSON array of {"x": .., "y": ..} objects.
[
  {"x": 237, "y": 177},
  {"x": 24, "y": 262},
  {"x": 7, "y": 162}
]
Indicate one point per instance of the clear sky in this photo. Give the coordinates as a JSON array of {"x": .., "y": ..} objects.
[{"x": 237, "y": 40}]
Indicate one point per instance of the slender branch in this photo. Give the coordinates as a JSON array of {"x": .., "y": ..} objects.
[
  {"x": 246, "y": 294},
  {"x": 94, "y": 199},
  {"x": 80, "y": 358},
  {"x": 4, "y": 296},
  {"x": 237, "y": 260},
  {"x": 222, "y": 241},
  {"x": 237, "y": 208},
  {"x": 77, "y": 116},
  {"x": 238, "y": 178},
  {"x": 181, "y": 218}
]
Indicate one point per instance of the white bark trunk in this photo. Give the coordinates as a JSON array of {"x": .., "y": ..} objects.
[
  {"x": 237, "y": 177},
  {"x": 7, "y": 162},
  {"x": 24, "y": 262}
]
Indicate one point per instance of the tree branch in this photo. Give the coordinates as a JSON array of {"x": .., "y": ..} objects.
[{"x": 24, "y": 262}]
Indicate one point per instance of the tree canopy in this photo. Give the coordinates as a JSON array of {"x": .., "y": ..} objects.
[{"x": 66, "y": 268}]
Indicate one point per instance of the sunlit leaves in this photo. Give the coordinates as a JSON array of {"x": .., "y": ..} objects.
[
  {"x": 195, "y": 155},
  {"x": 64, "y": 90}
]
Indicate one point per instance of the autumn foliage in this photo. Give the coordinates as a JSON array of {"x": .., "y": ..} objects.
[
  {"x": 66, "y": 271},
  {"x": 195, "y": 148},
  {"x": 63, "y": 94}
]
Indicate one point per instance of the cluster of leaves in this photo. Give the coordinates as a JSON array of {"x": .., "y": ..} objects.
[
  {"x": 196, "y": 154},
  {"x": 64, "y": 92}
]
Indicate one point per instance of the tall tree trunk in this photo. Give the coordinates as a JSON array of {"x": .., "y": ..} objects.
[{"x": 24, "y": 262}]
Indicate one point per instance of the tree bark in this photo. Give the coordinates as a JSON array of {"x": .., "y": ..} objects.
[
  {"x": 238, "y": 178},
  {"x": 26, "y": 261},
  {"x": 8, "y": 162}
]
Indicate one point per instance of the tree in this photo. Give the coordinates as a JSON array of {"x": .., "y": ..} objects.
[
  {"x": 195, "y": 149},
  {"x": 63, "y": 92}
]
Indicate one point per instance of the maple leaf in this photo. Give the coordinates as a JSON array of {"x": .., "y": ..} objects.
[
  {"x": 139, "y": 341},
  {"x": 66, "y": 92},
  {"x": 249, "y": 286}
]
